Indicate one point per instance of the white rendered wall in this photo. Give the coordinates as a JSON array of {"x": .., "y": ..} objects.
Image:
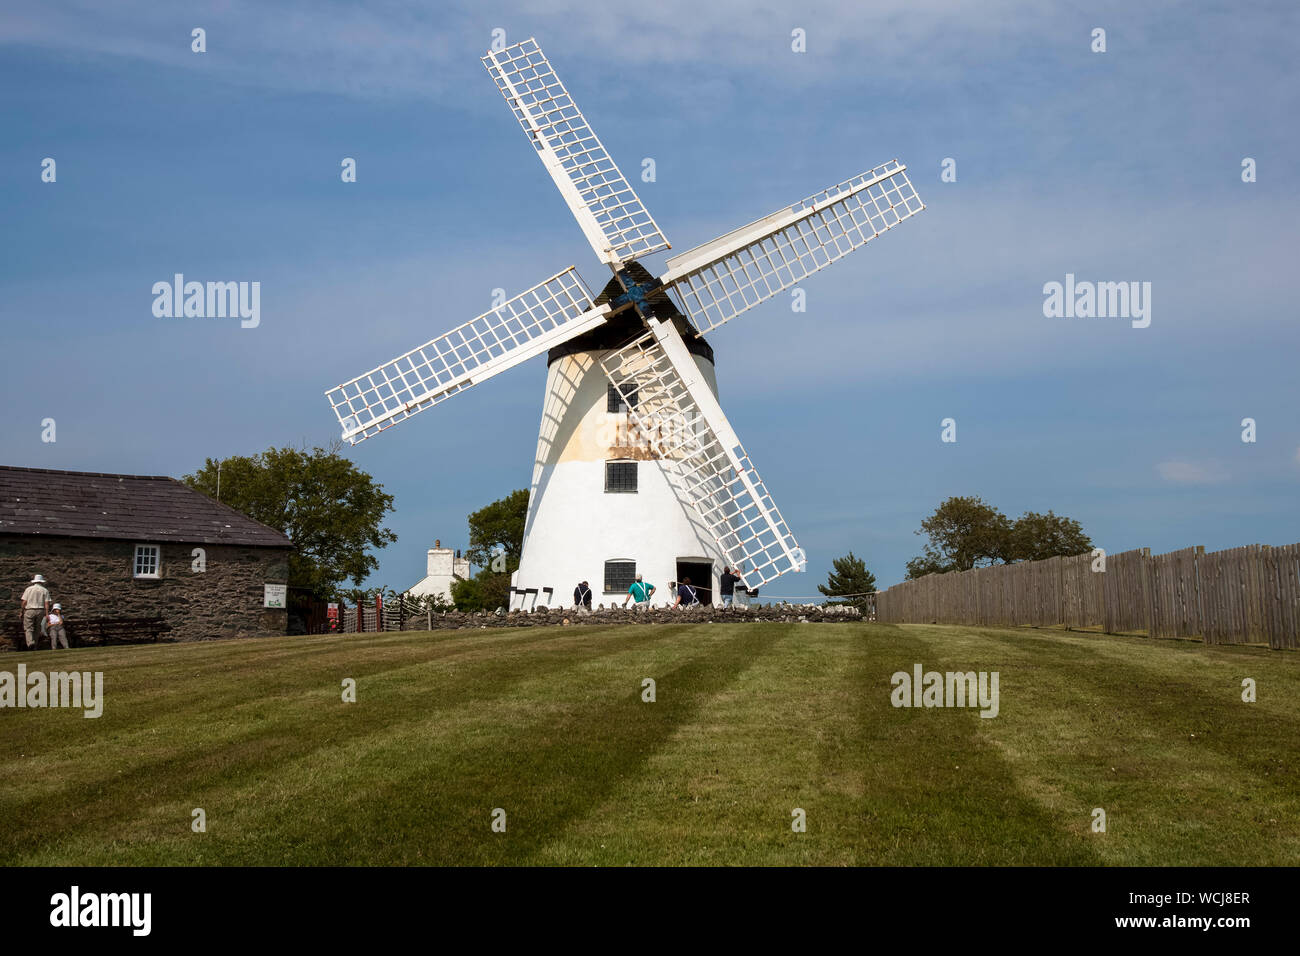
[
  {"x": 573, "y": 525},
  {"x": 443, "y": 568}
]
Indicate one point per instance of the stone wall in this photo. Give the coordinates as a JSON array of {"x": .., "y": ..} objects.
[
  {"x": 567, "y": 617},
  {"x": 93, "y": 578}
]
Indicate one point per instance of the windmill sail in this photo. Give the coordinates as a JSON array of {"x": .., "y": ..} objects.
[
  {"x": 708, "y": 468},
  {"x": 610, "y": 213},
  {"x": 717, "y": 281},
  {"x": 549, "y": 313}
]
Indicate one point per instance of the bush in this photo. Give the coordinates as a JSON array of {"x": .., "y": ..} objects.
[{"x": 486, "y": 591}]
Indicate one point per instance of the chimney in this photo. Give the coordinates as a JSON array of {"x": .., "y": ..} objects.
[{"x": 437, "y": 543}]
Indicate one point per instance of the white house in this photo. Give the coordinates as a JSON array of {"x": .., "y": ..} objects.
[{"x": 445, "y": 566}]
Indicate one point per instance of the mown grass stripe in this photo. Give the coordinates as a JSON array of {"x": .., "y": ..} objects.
[
  {"x": 751, "y": 721},
  {"x": 170, "y": 761}
]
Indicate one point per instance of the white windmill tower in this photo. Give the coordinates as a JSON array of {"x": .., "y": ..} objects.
[{"x": 631, "y": 400}]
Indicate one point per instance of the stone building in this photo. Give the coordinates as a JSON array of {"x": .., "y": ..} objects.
[
  {"x": 124, "y": 546},
  {"x": 444, "y": 568}
]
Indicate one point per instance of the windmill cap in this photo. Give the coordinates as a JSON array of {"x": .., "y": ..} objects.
[{"x": 38, "y": 579}]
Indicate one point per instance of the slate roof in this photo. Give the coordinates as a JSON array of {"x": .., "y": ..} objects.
[{"x": 147, "y": 508}]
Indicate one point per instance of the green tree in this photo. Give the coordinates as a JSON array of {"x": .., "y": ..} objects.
[
  {"x": 498, "y": 528},
  {"x": 966, "y": 533},
  {"x": 1037, "y": 536},
  {"x": 496, "y": 540},
  {"x": 331, "y": 510},
  {"x": 849, "y": 577},
  {"x": 921, "y": 566},
  {"x": 485, "y": 591},
  {"x": 963, "y": 533}
]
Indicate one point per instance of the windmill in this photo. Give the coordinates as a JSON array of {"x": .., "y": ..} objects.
[{"x": 630, "y": 377}]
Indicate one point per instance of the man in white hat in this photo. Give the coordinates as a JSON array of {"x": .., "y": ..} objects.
[{"x": 36, "y": 605}]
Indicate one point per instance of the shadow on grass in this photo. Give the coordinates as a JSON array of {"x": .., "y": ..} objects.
[
  {"x": 543, "y": 776},
  {"x": 132, "y": 803},
  {"x": 1222, "y": 722},
  {"x": 935, "y": 791}
]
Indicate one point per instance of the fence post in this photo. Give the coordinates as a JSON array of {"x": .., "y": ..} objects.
[
  {"x": 379, "y": 611},
  {"x": 1198, "y": 593},
  {"x": 1147, "y": 579},
  {"x": 1260, "y": 593}
]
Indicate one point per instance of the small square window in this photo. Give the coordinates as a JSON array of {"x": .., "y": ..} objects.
[
  {"x": 620, "y": 477},
  {"x": 616, "y": 401},
  {"x": 147, "y": 561},
  {"x": 619, "y": 575}
]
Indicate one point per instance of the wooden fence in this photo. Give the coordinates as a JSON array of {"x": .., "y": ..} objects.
[
  {"x": 1237, "y": 596},
  {"x": 395, "y": 614}
]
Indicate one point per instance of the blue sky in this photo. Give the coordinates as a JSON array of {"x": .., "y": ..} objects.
[{"x": 1115, "y": 166}]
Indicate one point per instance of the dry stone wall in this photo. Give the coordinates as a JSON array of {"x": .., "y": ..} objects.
[{"x": 607, "y": 617}]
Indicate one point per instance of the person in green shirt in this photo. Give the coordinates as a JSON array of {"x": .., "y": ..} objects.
[{"x": 639, "y": 592}]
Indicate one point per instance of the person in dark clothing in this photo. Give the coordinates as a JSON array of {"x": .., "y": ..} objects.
[
  {"x": 686, "y": 594},
  {"x": 727, "y": 586},
  {"x": 582, "y": 596}
]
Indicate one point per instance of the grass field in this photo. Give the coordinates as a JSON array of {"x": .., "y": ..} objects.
[{"x": 750, "y": 722}]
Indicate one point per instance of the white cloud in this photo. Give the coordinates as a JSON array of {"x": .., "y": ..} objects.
[
  {"x": 405, "y": 47},
  {"x": 1192, "y": 473}
]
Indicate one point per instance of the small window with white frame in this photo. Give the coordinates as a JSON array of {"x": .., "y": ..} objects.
[{"x": 148, "y": 561}]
